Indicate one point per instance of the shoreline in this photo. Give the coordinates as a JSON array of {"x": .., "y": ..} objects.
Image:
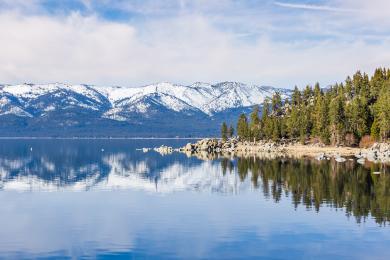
[
  {"x": 300, "y": 150},
  {"x": 208, "y": 148}
]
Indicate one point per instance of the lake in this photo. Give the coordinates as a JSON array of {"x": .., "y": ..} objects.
[{"x": 103, "y": 199}]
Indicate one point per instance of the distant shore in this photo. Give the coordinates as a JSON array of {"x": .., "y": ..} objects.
[{"x": 99, "y": 138}]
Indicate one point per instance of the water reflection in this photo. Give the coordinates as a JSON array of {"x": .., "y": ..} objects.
[
  {"x": 314, "y": 183},
  {"x": 85, "y": 165}
]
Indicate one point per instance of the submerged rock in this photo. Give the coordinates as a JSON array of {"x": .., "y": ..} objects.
[
  {"x": 361, "y": 161},
  {"x": 163, "y": 149},
  {"x": 321, "y": 157},
  {"x": 340, "y": 159}
]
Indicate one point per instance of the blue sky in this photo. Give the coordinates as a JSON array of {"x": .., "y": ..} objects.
[{"x": 135, "y": 42}]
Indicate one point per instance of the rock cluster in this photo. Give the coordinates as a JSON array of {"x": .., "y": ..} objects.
[
  {"x": 336, "y": 157},
  {"x": 211, "y": 145},
  {"x": 378, "y": 152},
  {"x": 232, "y": 145},
  {"x": 261, "y": 147},
  {"x": 209, "y": 148},
  {"x": 163, "y": 149}
]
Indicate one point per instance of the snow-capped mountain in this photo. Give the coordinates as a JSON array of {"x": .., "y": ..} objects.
[{"x": 89, "y": 108}]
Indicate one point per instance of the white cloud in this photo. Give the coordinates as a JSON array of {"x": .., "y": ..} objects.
[
  {"x": 184, "y": 48},
  {"x": 360, "y": 12},
  {"x": 375, "y": 13},
  {"x": 313, "y": 7},
  {"x": 23, "y": 5}
]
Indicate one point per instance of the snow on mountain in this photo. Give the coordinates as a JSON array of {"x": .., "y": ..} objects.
[
  {"x": 204, "y": 97},
  {"x": 159, "y": 98},
  {"x": 30, "y": 91},
  {"x": 234, "y": 94},
  {"x": 9, "y": 105},
  {"x": 40, "y": 99}
]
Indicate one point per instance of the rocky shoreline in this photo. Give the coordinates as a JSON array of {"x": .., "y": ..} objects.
[{"x": 208, "y": 148}]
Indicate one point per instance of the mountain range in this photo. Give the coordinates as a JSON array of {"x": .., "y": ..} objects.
[{"x": 156, "y": 110}]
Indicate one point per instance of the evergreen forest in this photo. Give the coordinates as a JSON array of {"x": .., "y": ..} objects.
[{"x": 355, "y": 111}]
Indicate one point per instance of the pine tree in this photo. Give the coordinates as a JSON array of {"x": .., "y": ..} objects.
[
  {"x": 303, "y": 120},
  {"x": 325, "y": 135},
  {"x": 255, "y": 116},
  {"x": 265, "y": 120},
  {"x": 316, "y": 111},
  {"x": 224, "y": 131},
  {"x": 337, "y": 120},
  {"x": 283, "y": 127},
  {"x": 382, "y": 112},
  {"x": 349, "y": 88},
  {"x": 276, "y": 104},
  {"x": 296, "y": 97},
  {"x": 321, "y": 120},
  {"x": 293, "y": 125},
  {"x": 357, "y": 82},
  {"x": 365, "y": 90},
  {"x": 317, "y": 90},
  {"x": 359, "y": 117},
  {"x": 242, "y": 127},
  {"x": 307, "y": 94},
  {"x": 231, "y": 131},
  {"x": 377, "y": 82},
  {"x": 375, "y": 130},
  {"x": 275, "y": 129},
  {"x": 342, "y": 114},
  {"x": 255, "y": 123}
]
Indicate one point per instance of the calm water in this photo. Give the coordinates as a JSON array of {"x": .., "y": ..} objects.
[{"x": 104, "y": 199}]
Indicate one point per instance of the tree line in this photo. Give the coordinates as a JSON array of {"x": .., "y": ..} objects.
[{"x": 343, "y": 114}]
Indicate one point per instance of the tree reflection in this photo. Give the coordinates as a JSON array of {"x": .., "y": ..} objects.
[{"x": 314, "y": 183}]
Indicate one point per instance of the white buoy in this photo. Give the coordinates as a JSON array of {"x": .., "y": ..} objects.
[
  {"x": 30, "y": 148},
  {"x": 102, "y": 150}
]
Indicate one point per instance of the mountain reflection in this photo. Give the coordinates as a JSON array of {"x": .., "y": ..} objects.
[{"x": 48, "y": 166}]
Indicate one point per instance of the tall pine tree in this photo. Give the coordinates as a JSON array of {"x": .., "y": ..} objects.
[
  {"x": 255, "y": 124},
  {"x": 242, "y": 127},
  {"x": 224, "y": 131}
]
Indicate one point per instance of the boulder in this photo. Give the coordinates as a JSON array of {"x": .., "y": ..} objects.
[
  {"x": 361, "y": 161},
  {"x": 340, "y": 159},
  {"x": 321, "y": 156},
  {"x": 189, "y": 147}
]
